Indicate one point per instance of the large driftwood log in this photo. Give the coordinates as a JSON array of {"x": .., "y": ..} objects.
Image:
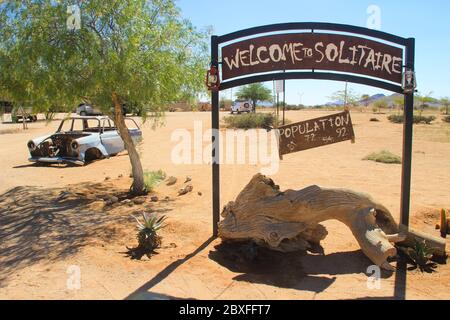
[{"x": 289, "y": 221}]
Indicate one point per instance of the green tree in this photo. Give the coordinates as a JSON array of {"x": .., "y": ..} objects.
[
  {"x": 399, "y": 101},
  {"x": 446, "y": 103},
  {"x": 365, "y": 99},
  {"x": 341, "y": 96},
  {"x": 379, "y": 104},
  {"x": 254, "y": 92},
  {"x": 424, "y": 100},
  {"x": 138, "y": 52}
]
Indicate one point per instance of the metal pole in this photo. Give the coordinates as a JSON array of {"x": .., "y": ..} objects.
[
  {"x": 407, "y": 140},
  {"x": 345, "y": 99},
  {"x": 215, "y": 143},
  {"x": 284, "y": 100}
]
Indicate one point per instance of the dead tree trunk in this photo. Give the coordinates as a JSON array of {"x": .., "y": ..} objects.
[
  {"x": 289, "y": 220},
  {"x": 138, "y": 186}
]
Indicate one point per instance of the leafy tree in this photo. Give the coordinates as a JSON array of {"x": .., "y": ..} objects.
[
  {"x": 351, "y": 96},
  {"x": 138, "y": 52},
  {"x": 365, "y": 99},
  {"x": 424, "y": 100},
  {"x": 399, "y": 101},
  {"x": 254, "y": 92},
  {"x": 379, "y": 104},
  {"x": 446, "y": 103}
]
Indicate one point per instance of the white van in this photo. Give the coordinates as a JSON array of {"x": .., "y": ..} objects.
[{"x": 240, "y": 106}]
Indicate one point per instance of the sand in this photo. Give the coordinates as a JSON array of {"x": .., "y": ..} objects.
[{"x": 53, "y": 218}]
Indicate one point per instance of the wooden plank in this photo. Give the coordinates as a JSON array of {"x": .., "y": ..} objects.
[{"x": 315, "y": 133}]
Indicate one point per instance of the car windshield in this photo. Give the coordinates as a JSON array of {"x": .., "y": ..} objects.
[{"x": 79, "y": 125}]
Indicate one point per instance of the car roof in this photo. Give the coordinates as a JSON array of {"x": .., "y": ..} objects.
[{"x": 88, "y": 117}]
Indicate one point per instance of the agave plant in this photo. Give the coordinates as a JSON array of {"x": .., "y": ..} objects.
[
  {"x": 148, "y": 238},
  {"x": 420, "y": 256}
]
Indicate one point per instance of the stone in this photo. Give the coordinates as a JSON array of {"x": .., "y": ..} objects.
[
  {"x": 185, "y": 190},
  {"x": 171, "y": 181}
]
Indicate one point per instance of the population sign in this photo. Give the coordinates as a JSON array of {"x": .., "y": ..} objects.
[{"x": 315, "y": 133}]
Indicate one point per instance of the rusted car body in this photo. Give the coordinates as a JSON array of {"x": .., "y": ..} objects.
[{"x": 79, "y": 140}]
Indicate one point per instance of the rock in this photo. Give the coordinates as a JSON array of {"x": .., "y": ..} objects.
[
  {"x": 185, "y": 190},
  {"x": 126, "y": 201},
  {"x": 139, "y": 200},
  {"x": 97, "y": 205},
  {"x": 107, "y": 178},
  {"x": 171, "y": 181},
  {"x": 154, "y": 199},
  {"x": 114, "y": 199},
  {"x": 120, "y": 176},
  {"x": 188, "y": 179},
  {"x": 167, "y": 198},
  {"x": 199, "y": 193}
]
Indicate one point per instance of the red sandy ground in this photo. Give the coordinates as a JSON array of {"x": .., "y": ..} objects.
[{"x": 53, "y": 217}]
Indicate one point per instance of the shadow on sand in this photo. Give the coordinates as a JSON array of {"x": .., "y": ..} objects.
[
  {"x": 49, "y": 224},
  {"x": 295, "y": 270}
]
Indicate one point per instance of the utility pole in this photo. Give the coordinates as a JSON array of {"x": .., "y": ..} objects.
[{"x": 345, "y": 100}]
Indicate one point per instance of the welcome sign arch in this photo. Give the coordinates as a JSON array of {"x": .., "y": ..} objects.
[{"x": 321, "y": 51}]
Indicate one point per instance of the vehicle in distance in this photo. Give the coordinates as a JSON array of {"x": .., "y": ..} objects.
[{"x": 240, "y": 106}]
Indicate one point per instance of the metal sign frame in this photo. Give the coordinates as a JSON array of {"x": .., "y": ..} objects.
[{"x": 407, "y": 43}]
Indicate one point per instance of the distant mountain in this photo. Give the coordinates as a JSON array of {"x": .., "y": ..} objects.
[
  {"x": 372, "y": 99},
  {"x": 335, "y": 103}
]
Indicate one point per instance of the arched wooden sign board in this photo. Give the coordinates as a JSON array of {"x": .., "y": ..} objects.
[{"x": 353, "y": 54}]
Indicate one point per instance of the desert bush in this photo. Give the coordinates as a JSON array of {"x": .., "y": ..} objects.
[
  {"x": 384, "y": 156},
  {"x": 446, "y": 119},
  {"x": 153, "y": 178},
  {"x": 417, "y": 119},
  {"x": 395, "y": 118},
  {"x": 295, "y": 107},
  {"x": 250, "y": 120},
  {"x": 424, "y": 119}
]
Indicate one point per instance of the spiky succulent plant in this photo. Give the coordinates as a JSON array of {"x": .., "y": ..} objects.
[
  {"x": 148, "y": 238},
  {"x": 420, "y": 256}
]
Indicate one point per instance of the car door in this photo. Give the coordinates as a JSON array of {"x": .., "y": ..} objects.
[
  {"x": 110, "y": 138},
  {"x": 134, "y": 130}
]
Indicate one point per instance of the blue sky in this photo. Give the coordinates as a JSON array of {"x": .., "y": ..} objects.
[{"x": 427, "y": 21}]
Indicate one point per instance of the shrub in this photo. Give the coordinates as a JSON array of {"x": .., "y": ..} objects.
[
  {"x": 446, "y": 119},
  {"x": 395, "y": 118},
  {"x": 417, "y": 119},
  {"x": 153, "y": 178},
  {"x": 384, "y": 157},
  {"x": 250, "y": 120},
  {"x": 294, "y": 107},
  {"x": 423, "y": 119}
]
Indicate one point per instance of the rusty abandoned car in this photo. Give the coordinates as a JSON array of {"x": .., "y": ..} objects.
[{"x": 79, "y": 140}]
